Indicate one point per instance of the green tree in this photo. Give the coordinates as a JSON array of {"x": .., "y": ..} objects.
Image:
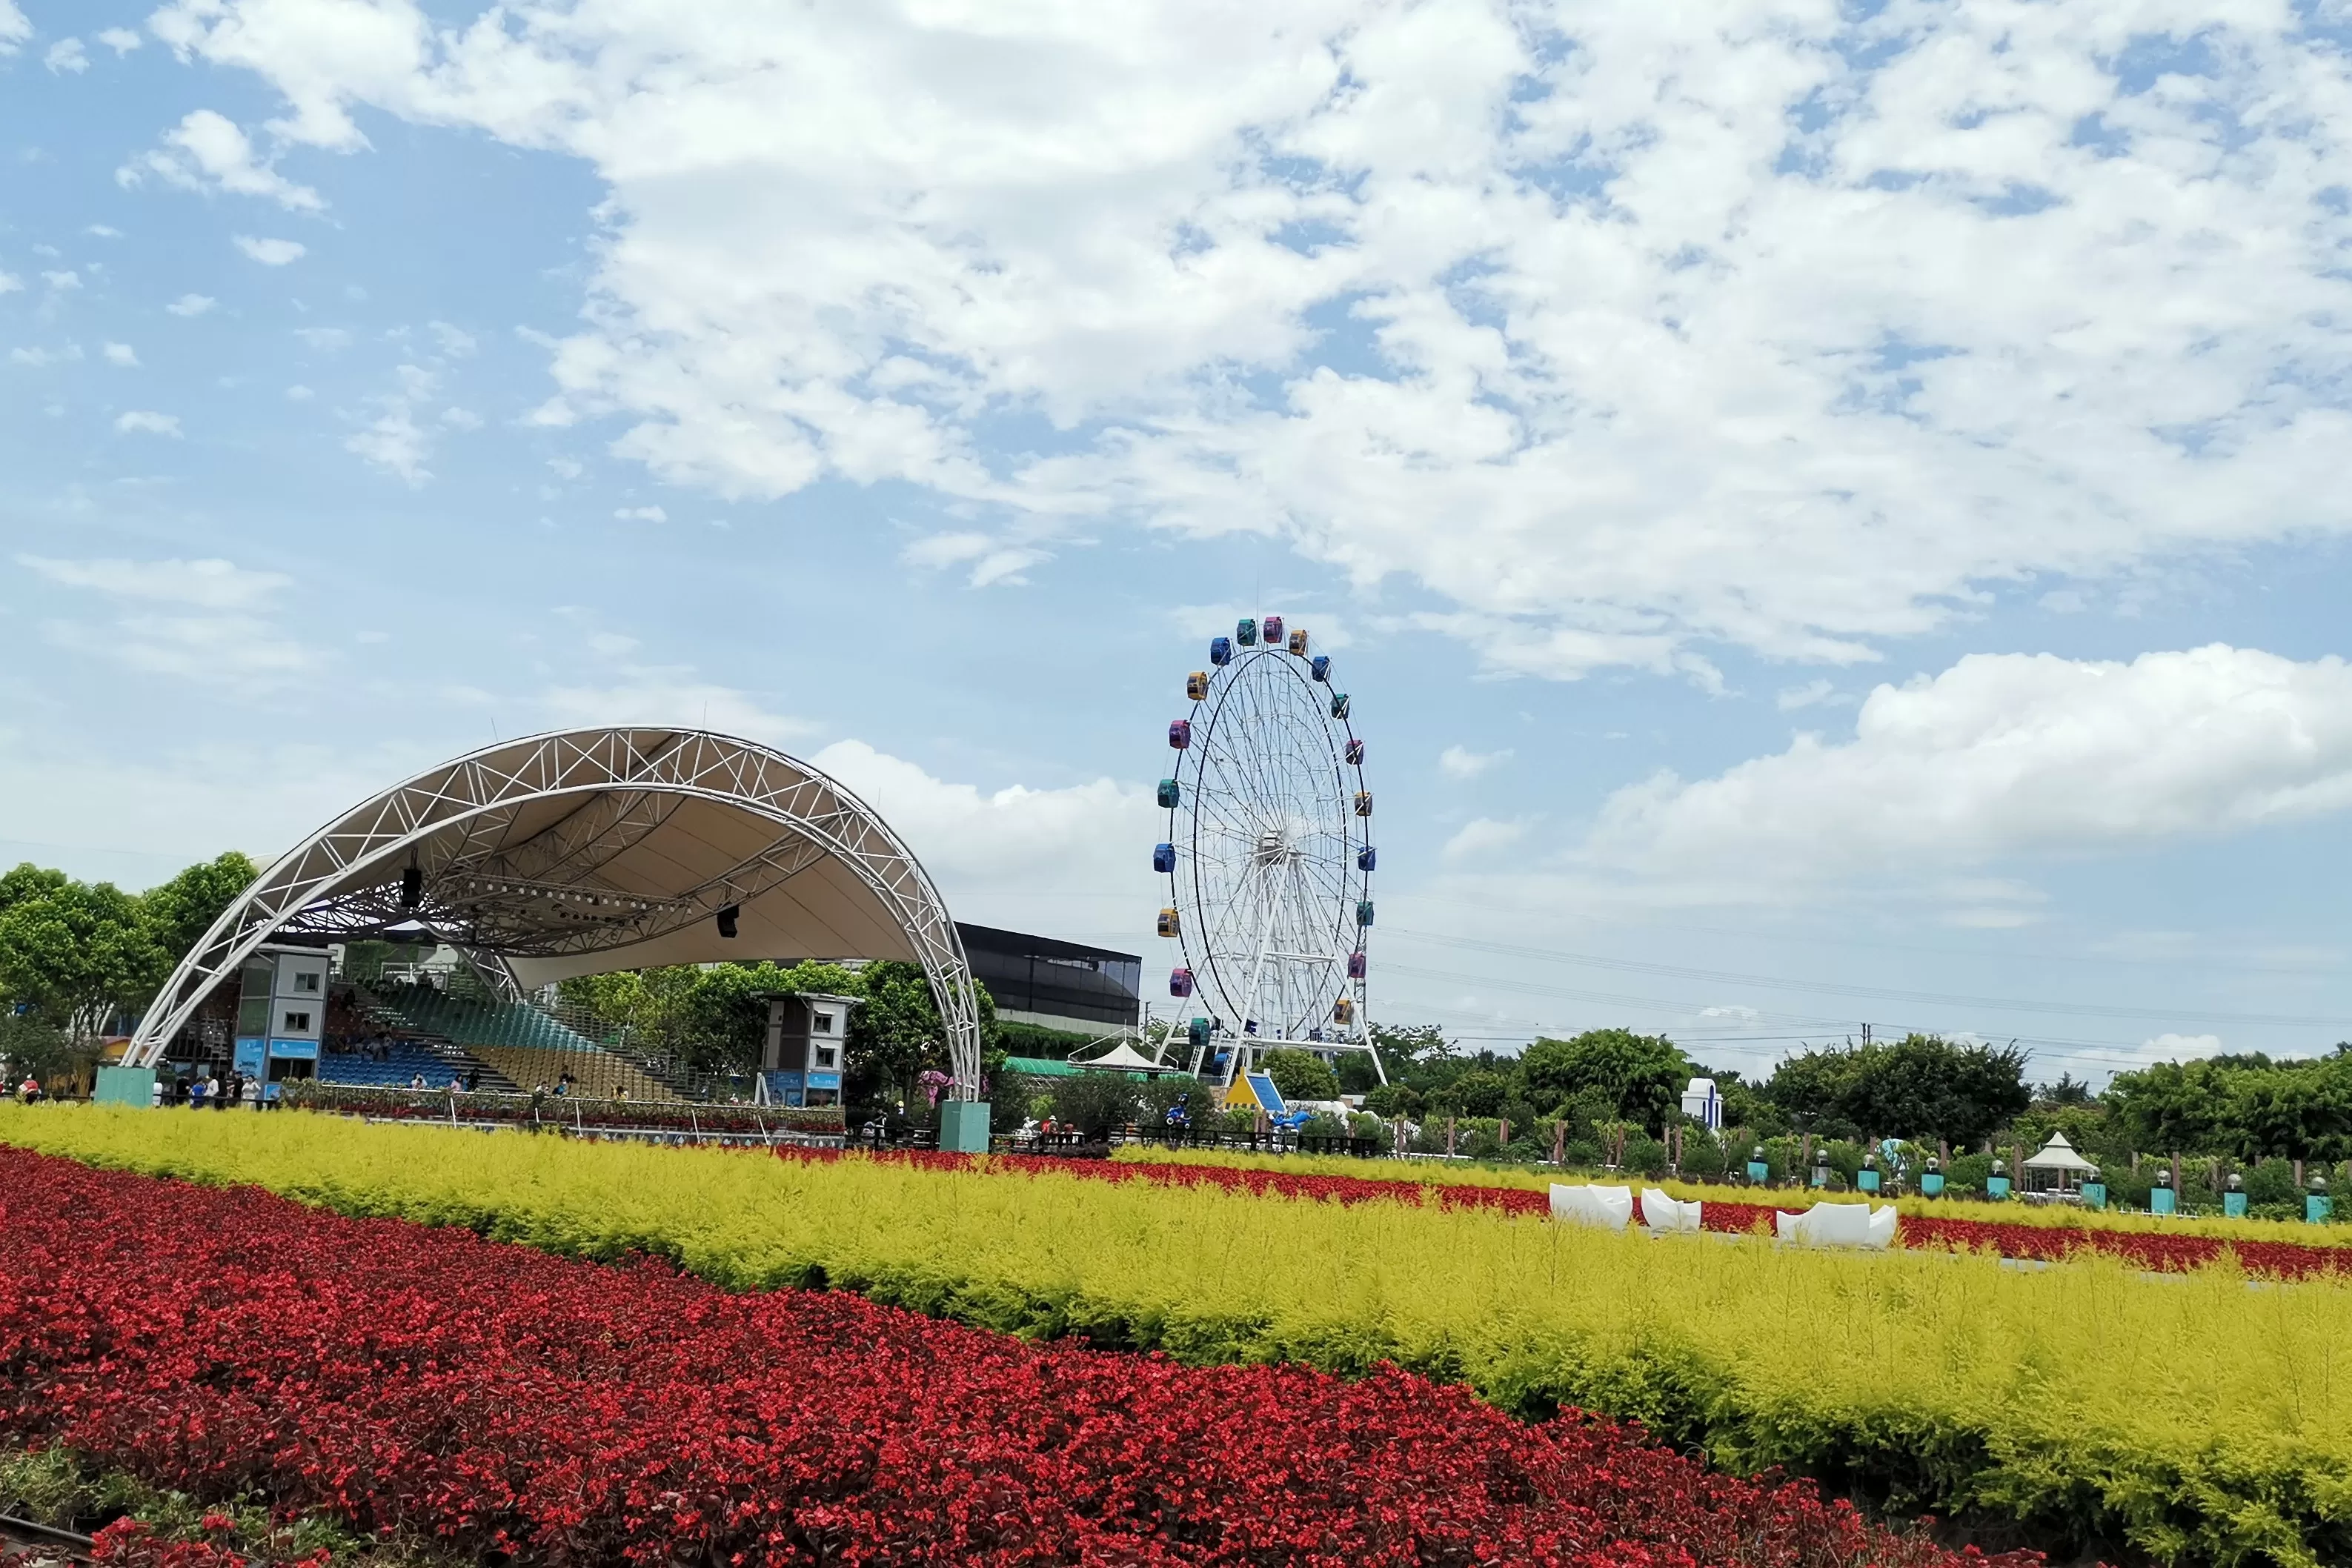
[
  {"x": 181, "y": 911},
  {"x": 30, "y": 881},
  {"x": 897, "y": 1032},
  {"x": 1300, "y": 1074},
  {"x": 1098, "y": 1103},
  {"x": 2175, "y": 1107},
  {"x": 76, "y": 951},
  {"x": 1395, "y": 1099},
  {"x": 1643, "y": 1075},
  {"x": 30, "y": 1048},
  {"x": 1479, "y": 1092},
  {"x": 1407, "y": 1049},
  {"x": 1924, "y": 1086}
]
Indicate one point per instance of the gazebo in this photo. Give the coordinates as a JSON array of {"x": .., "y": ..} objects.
[{"x": 2054, "y": 1164}]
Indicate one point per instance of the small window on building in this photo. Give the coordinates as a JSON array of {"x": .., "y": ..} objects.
[
  {"x": 298, "y": 1023},
  {"x": 307, "y": 982},
  {"x": 824, "y": 1058},
  {"x": 821, "y": 1022}
]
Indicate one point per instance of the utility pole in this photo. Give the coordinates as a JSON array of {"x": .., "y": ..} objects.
[{"x": 1865, "y": 1034}]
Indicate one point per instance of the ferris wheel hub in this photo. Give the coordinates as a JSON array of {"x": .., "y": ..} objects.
[{"x": 1273, "y": 849}]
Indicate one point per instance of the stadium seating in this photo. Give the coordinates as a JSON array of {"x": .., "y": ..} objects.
[
  {"x": 405, "y": 1060},
  {"x": 521, "y": 1043},
  {"x": 599, "y": 1074}
]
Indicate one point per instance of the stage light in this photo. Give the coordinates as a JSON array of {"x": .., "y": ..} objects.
[
  {"x": 412, "y": 888},
  {"x": 726, "y": 921}
]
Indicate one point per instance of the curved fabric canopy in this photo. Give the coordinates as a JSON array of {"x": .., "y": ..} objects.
[{"x": 587, "y": 851}]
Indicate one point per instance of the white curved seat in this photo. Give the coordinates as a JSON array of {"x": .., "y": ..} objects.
[
  {"x": 1661, "y": 1211},
  {"x": 1608, "y": 1207}
]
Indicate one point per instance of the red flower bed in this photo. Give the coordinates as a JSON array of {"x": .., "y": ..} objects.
[
  {"x": 504, "y": 1401},
  {"x": 2154, "y": 1250}
]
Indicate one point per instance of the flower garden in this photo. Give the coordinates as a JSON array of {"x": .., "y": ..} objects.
[{"x": 547, "y": 1350}]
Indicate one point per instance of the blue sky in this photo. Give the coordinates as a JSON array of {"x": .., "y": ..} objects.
[{"x": 1828, "y": 515}]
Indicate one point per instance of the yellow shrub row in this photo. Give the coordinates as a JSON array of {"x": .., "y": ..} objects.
[
  {"x": 2193, "y": 1415},
  {"x": 2051, "y": 1216}
]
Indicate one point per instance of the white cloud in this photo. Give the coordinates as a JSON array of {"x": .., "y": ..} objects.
[
  {"x": 326, "y": 340},
  {"x": 206, "y": 152},
  {"x": 2006, "y": 754},
  {"x": 1813, "y": 694},
  {"x": 1847, "y": 323},
  {"x": 453, "y": 343},
  {"x": 120, "y": 354},
  {"x": 121, "y": 40},
  {"x": 300, "y": 393},
  {"x": 1072, "y": 859},
  {"x": 565, "y": 469},
  {"x": 103, "y": 231},
  {"x": 1460, "y": 762},
  {"x": 641, "y": 514},
  {"x": 63, "y": 282},
  {"x": 393, "y": 439},
  {"x": 66, "y": 54},
  {"x": 10, "y": 283},
  {"x": 673, "y": 695},
  {"x": 38, "y": 358},
  {"x": 271, "y": 252},
  {"x": 993, "y": 562},
  {"x": 205, "y": 584},
  {"x": 2170, "y": 1047},
  {"x": 461, "y": 418},
  {"x": 14, "y": 29},
  {"x": 142, "y": 421},
  {"x": 204, "y": 621},
  {"x": 1483, "y": 836},
  {"x": 191, "y": 305}
]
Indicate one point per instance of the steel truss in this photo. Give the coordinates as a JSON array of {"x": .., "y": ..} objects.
[{"x": 538, "y": 898}]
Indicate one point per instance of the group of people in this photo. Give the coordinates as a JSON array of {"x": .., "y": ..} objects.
[
  {"x": 374, "y": 1047},
  {"x": 207, "y": 1088}
]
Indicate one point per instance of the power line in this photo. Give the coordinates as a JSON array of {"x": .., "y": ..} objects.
[
  {"x": 1874, "y": 993},
  {"x": 1820, "y": 939}
]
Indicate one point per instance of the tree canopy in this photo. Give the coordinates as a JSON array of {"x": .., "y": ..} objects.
[
  {"x": 1920, "y": 1087},
  {"x": 1300, "y": 1075},
  {"x": 74, "y": 953},
  {"x": 1640, "y": 1076}
]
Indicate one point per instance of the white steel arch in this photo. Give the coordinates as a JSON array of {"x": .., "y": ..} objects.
[{"x": 515, "y": 849}]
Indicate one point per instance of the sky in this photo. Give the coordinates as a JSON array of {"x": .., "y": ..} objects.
[{"x": 1828, "y": 514}]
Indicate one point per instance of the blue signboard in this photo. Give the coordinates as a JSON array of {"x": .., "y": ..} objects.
[
  {"x": 295, "y": 1051},
  {"x": 824, "y": 1080},
  {"x": 251, "y": 1055}
]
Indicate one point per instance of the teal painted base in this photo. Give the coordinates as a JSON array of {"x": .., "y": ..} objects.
[
  {"x": 2163, "y": 1201},
  {"x": 1931, "y": 1185},
  {"x": 1996, "y": 1186},
  {"x": 1869, "y": 1180},
  {"x": 2233, "y": 1205},
  {"x": 2316, "y": 1208},
  {"x": 125, "y": 1085},
  {"x": 2094, "y": 1194},
  {"x": 963, "y": 1127},
  {"x": 1759, "y": 1172}
]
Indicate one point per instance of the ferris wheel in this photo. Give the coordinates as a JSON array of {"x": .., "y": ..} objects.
[{"x": 1268, "y": 855}]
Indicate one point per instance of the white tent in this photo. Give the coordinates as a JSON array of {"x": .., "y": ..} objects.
[{"x": 1124, "y": 1058}]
